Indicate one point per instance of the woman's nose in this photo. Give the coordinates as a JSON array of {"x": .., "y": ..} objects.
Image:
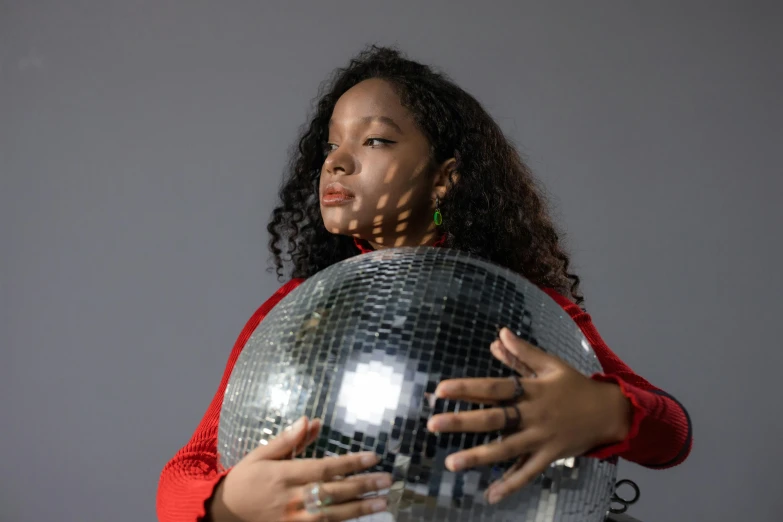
[{"x": 339, "y": 161}]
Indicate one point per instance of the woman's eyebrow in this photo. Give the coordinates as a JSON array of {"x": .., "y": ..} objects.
[{"x": 381, "y": 119}]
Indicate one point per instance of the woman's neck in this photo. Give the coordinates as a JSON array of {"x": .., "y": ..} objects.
[{"x": 428, "y": 239}]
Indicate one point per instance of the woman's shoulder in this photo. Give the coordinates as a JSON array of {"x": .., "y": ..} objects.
[
  {"x": 287, "y": 287},
  {"x": 268, "y": 305},
  {"x": 565, "y": 302},
  {"x": 556, "y": 296},
  {"x": 277, "y": 296}
]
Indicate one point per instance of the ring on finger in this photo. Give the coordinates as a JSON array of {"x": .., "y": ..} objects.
[
  {"x": 313, "y": 503},
  {"x": 512, "y": 422},
  {"x": 519, "y": 391}
]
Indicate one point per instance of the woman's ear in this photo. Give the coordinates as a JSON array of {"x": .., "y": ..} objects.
[{"x": 445, "y": 177}]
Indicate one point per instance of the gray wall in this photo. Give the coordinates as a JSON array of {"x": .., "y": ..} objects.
[{"x": 141, "y": 144}]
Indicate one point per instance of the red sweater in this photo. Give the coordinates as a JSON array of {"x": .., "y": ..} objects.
[{"x": 660, "y": 434}]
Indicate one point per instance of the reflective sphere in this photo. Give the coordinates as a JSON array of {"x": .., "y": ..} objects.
[{"x": 363, "y": 344}]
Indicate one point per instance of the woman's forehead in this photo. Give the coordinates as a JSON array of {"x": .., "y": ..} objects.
[{"x": 370, "y": 101}]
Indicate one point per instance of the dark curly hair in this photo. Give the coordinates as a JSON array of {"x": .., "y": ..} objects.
[{"x": 493, "y": 209}]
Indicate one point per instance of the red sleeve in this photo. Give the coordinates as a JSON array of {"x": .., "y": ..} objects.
[
  {"x": 661, "y": 433},
  {"x": 189, "y": 478}
]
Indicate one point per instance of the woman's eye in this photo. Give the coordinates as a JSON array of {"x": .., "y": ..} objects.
[
  {"x": 329, "y": 147},
  {"x": 377, "y": 142}
]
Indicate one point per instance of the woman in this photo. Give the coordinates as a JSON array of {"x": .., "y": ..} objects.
[{"x": 397, "y": 155}]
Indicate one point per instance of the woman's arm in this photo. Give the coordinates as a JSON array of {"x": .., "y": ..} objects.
[
  {"x": 660, "y": 434},
  {"x": 190, "y": 477}
]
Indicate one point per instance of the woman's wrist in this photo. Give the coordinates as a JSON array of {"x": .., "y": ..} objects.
[
  {"x": 619, "y": 412},
  {"x": 215, "y": 508}
]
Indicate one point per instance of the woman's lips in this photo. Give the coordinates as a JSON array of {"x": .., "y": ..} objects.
[
  {"x": 334, "y": 200},
  {"x": 336, "y": 194}
]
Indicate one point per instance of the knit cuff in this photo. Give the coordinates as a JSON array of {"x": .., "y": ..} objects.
[
  {"x": 638, "y": 413},
  {"x": 204, "y": 490}
]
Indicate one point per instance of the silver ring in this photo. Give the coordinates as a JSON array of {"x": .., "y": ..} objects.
[
  {"x": 313, "y": 503},
  {"x": 312, "y": 498}
]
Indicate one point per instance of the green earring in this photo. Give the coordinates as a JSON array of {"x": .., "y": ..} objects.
[{"x": 438, "y": 217}]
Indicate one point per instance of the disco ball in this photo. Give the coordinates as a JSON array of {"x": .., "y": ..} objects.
[{"x": 363, "y": 344}]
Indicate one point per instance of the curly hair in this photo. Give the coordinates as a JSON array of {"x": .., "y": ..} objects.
[{"x": 493, "y": 209}]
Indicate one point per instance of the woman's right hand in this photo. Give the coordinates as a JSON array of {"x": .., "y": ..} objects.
[{"x": 266, "y": 486}]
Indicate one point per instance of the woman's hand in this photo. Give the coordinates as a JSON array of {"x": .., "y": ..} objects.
[
  {"x": 550, "y": 412},
  {"x": 266, "y": 486}
]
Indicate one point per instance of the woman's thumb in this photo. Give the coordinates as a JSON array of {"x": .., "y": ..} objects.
[{"x": 283, "y": 446}]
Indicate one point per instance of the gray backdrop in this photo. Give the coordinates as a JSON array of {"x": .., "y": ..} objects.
[{"x": 141, "y": 145}]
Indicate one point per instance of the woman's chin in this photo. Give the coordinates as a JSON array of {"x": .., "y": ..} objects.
[{"x": 339, "y": 229}]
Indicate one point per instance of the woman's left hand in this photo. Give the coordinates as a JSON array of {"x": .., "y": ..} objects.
[{"x": 555, "y": 413}]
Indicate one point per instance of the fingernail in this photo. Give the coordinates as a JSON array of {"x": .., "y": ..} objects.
[
  {"x": 383, "y": 482},
  {"x": 378, "y": 505},
  {"x": 368, "y": 459},
  {"x": 494, "y": 495},
  {"x": 296, "y": 427},
  {"x": 455, "y": 463},
  {"x": 442, "y": 391}
]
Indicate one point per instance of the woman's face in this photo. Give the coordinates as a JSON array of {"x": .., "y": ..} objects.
[{"x": 378, "y": 181}]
